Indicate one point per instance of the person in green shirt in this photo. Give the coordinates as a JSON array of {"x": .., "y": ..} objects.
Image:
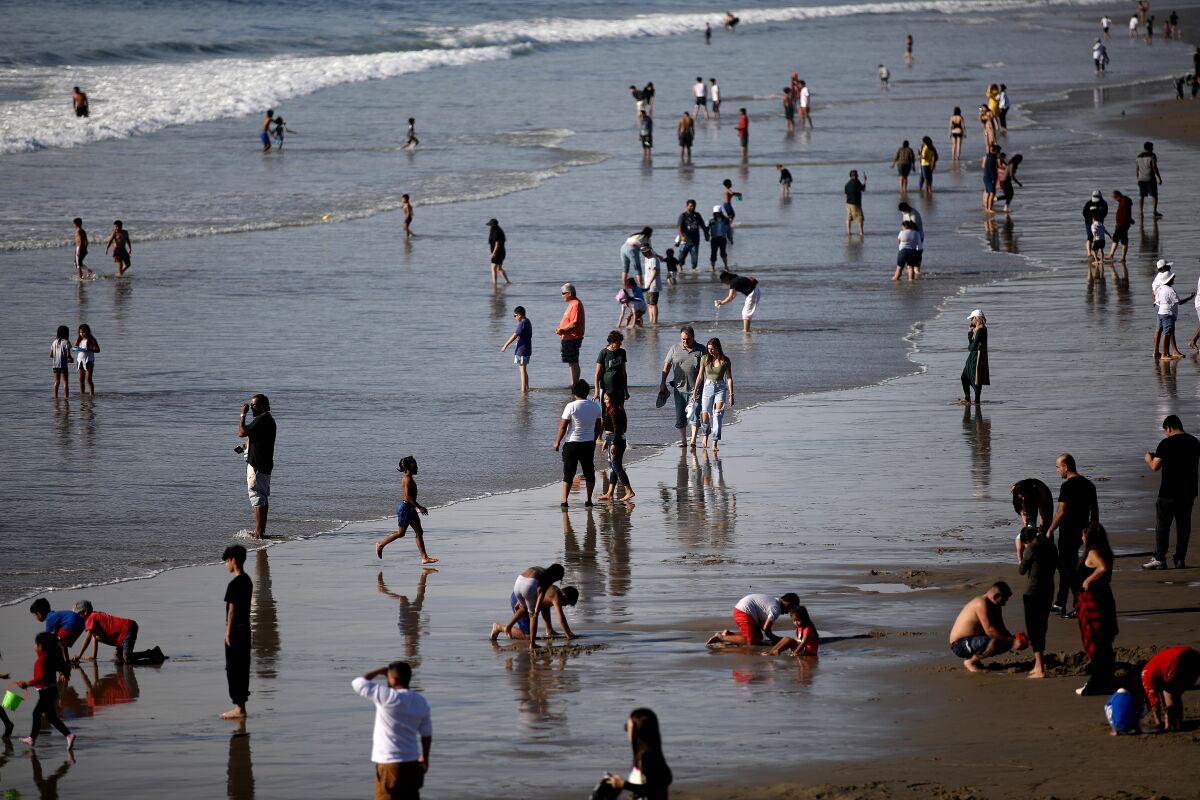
[{"x": 611, "y": 377}]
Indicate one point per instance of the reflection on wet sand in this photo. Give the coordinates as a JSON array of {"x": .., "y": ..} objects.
[
  {"x": 118, "y": 687},
  {"x": 540, "y": 678},
  {"x": 582, "y": 565},
  {"x": 978, "y": 432},
  {"x": 702, "y": 508},
  {"x": 47, "y": 785},
  {"x": 264, "y": 620},
  {"x": 1164, "y": 374},
  {"x": 616, "y": 527},
  {"x": 409, "y": 621},
  {"x": 239, "y": 775},
  {"x": 776, "y": 670}
]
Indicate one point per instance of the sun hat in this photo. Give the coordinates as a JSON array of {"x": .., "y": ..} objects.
[
  {"x": 717, "y": 209},
  {"x": 1164, "y": 264},
  {"x": 1170, "y": 277},
  {"x": 976, "y": 313}
]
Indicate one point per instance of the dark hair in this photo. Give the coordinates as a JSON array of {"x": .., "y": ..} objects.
[
  {"x": 553, "y": 574},
  {"x": 263, "y": 402},
  {"x": 570, "y": 595},
  {"x": 1003, "y": 588},
  {"x": 1148, "y": 145},
  {"x": 904, "y": 207},
  {"x": 63, "y": 332},
  {"x": 52, "y": 650},
  {"x": 1173, "y": 423},
  {"x": 800, "y": 616},
  {"x": 78, "y": 221},
  {"x": 118, "y": 224},
  {"x": 715, "y": 342},
  {"x": 411, "y": 120},
  {"x": 237, "y": 553},
  {"x": 904, "y": 143},
  {"x": 519, "y": 310},
  {"x": 615, "y": 336},
  {"x": 403, "y": 197},
  {"x": 689, "y": 202},
  {"x": 1016, "y": 159},
  {"x": 40, "y": 606},
  {"x": 1095, "y": 537},
  {"x": 1068, "y": 460},
  {"x": 401, "y": 670},
  {"x": 742, "y": 110},
  {"x": 927, "y": 140},
  {"x": 727, "y": 276},
  {"x": 270, "y": 112},
  {"x": 647, "y": 232},
  {"x": 85, "y": 332},
  {"x": 646, "y": 737},
  {"x": 728, "y": 184},
  {"x": 407, "y": 464},
  {"x": 670, "y": 251},
  {"x": 688, "y": 330},
  {"x": 1003, "y": 88},
  {"x": 958, "y": 111},
  {"x": 790, "y": 600},
  {"x": 580, "y": 388}
]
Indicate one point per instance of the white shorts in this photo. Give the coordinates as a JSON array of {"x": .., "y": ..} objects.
[
  {"x": 751, "y": 305},
  {"x": 258, "y": 486},
  {"x": 526, "y": 590}
]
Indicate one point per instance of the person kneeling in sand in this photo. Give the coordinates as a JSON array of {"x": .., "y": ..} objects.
[
  {"x": 754, "y": 615},
  {"x": 979, "y": 631},
  {"x": 531, "y": 598},
  {"x": 552, "y": 597},
  {"x": 807, "y": 639},
  {"x": 116, "y": 632}
]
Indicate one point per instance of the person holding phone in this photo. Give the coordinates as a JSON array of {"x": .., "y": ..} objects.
[{"x": 260, "y": 457}]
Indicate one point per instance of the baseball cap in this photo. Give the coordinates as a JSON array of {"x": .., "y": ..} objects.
[
  {"x": 491, "y": 221},
  {"x": 717, "y": 209},
  {"x": 1096, "y": 195}
]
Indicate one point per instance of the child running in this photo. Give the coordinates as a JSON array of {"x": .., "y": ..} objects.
[
  {"x": 86, "y": 347},
  {"x": 45, "y": 680},
  {"x": 60, "y": 357},
  {"x": 807, "y": 639},
  {"x": 407, "y": 511}
]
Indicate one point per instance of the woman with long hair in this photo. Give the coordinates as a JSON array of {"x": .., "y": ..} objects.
[
  {"x": 1008, "y": 178},
  {"x": 85, "y": 349},
  {"x": 958, "y": 131},
  {"x": 716, "y": 390},
  {"x": 1097, "y": 610},
  {"x": 615, "y": 425},
  {"x": 650, "y": 777},
  {"x": 407, "y": 512}
]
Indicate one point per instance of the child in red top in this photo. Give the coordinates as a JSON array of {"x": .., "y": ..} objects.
[
  {"x": 1165, "y": 678},
  {"x": 45, "y": 679},
  {"x": 806, "y": 641}
]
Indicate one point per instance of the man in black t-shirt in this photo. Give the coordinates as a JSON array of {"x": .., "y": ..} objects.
[
  {"x": 237, "y": 631},
  {"x": 260, "y": 457},
  {"x": 1178, "y": 456},
  {"x": 689, "y": 227},
  {"x": 1077, "y": 509}
]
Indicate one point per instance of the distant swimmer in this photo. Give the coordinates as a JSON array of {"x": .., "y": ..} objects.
[
  {"x": 411, "y": 140},
  {"x": 908, "y": 56},
  {"x": 122, "y": 247},
  {"x": 264, "y": 134},
  {"x": 81, "y": 249},
  {"x": 278, "y": 130},
  {"x": 730, "y": 21},
  {"x": 406, "y": 207},
  {"x": 884, "y": 76},
  {"x": 80, "y": 102},
  {"x": 707, "y": 33}
]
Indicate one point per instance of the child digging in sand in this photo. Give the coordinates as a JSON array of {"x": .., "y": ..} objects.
[
  {"x": 807, "y": 639},
  {"x": 406, "y": 512},
  {"x": 532, "y": 595}
]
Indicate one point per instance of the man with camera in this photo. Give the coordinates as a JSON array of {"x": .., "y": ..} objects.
[{"x": 260, "y": 457}]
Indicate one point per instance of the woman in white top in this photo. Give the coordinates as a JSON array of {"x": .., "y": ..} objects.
[
  {"x": 60, "y": 357},
  {"x": 85, "y": 349},
  {"x": 650, "y": 777},
  {"x": 909, "y": 241}
]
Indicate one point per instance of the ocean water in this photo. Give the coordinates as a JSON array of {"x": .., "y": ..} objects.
[{"x": 288, "y": 274}]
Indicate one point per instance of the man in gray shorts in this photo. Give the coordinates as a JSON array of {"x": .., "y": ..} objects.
[
  {"x": 979, "y": 631},
  {"x": 683, "y": 365},
  {"x": 260, "y": 457}
]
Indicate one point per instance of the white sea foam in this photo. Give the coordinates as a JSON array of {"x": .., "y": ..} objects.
[{"x": 134, "y": 99}]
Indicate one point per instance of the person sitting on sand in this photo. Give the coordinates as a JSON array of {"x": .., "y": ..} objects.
[
  {"x": 555, "y": 598},
  {"x": 407, "y": 511},
  {"x": 530, "y": 596},
  {"x": 979, "y": 631},
  {"x": 807, "y": 639},
  {"x": 115, "y": 632},
  {"x": 1165, "y": 678},
  {"x": 754, "y": 615}
]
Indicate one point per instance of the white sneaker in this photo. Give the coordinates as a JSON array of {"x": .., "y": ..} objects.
[{"x": 1154, "y": 563}]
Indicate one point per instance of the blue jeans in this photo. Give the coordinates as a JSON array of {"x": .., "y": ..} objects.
[
  {"x": 926, "y": 176},
  {"x": 631, "y": 260},
  {"x": 681, "y": 404},
  {"x": 689, "y": 246},
  {"x": 714, "y": 391}
]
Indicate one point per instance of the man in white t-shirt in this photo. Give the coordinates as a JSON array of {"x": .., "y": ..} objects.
[
  {"x": 700, "y": 96},
  {"x": 714, "y": 93},
  {"x": 577, "y": 433},
  {"x": 401, "y": 716},
  {"x": 805, "y": 111},
  {"x": 1133, "y": 26},
  {"x": 1168, "y": 302},
  {"x": 754, "y": 615}
]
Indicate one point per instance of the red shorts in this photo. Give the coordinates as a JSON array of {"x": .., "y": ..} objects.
[{"x": 747, "y": 626}]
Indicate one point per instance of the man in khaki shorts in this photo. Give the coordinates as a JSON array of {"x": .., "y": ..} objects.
[
  {"x": 854, "y": 190},
  {"x": 260, "y": 457}
]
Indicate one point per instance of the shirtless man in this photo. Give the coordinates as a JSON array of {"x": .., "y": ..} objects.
[
  {"x": 406, "y": 207},
  {"x": 122, "y": 247},
  {"x": 81, "y": 247},
  {"x": 979, "y": 631},
  {"x": 553, "y": 597},
  {"x": 530, "y": 599},
  {"x": 80, "y": 102},
  {"x": 265, "y": 134}
]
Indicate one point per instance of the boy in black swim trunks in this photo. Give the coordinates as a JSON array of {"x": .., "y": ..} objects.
[
  {"x": 122, "y": 247},
  {"x": 406, "y": 207}
]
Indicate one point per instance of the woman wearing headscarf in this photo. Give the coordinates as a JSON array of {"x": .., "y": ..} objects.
[{"x": 975, "y": 373}]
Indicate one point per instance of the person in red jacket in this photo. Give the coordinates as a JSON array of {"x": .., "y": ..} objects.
[
  {"x": 1165, "y": 678},
  {"x": 743, "y": 132},
  {"x": 45, "y": 680},
  {"x": 1122, "y": 221}
]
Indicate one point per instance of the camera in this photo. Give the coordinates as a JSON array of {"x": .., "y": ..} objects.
[{"x": 240, "y": 449}]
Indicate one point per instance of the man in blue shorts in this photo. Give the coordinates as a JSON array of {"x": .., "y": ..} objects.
[
  {"x": 979, "y": 631},
  {"x": 265, "y": 135}
]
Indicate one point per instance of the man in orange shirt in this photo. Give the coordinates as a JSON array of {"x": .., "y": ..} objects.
[{"x": 570, "y": 330}]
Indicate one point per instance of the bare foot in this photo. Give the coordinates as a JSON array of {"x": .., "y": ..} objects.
[
  {"x": 606, "y": 497},
  {"x": 972, "y": 665},
  {"x": 628, "y": 496},
  {"x": 684, "y": 444},
  {"x": 428, "y": 560},
  {"x": 234, "y": 713},
  {"x": 497, "y": 629},
  {"x": 70, "y": 742},
  {"x": 714, "y": 639},
  {"x": 1173, "y": 357},
  {"x": 379, "y": 549},
  {"x": 1037, "y": 673}
]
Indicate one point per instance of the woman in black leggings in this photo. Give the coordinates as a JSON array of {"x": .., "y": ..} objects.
[{"x": 615, "y": 425}]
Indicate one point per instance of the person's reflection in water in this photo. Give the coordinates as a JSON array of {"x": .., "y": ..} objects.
[
  {"x": 410, "y": 614},
  {"x": 992, "y": 234},
  {"x": 1164, "y": 373},
  {"x": 47, "y": 785},
  {"x": 114, "y": 689},
  {"x": 62, "y": 420},
  {"x": 721, "y": 503},
  {"x": 1008, "y": 237},
  {"x": 581, "y": 561},
  {"x": 239, "y": 775},
  {"x": 615, "y": 533},
  {"x": 978, "y": 432},
  {"x": 498, "y": 305},
  {"x": 87, "y": 421},
  {"x": 264, "y": 620},
  {"x": 540, "y": 677},
  {"x": 122, "y": 291},
  {"x": 1148, "y": 239}
]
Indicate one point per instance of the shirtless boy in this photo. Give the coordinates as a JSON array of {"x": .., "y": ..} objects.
[
  {"x": 81, "y": 247},
  {"x": 406, "y": 207},
  {"x": 979, "y": 631},
  {"x": 122, "y": 247}
]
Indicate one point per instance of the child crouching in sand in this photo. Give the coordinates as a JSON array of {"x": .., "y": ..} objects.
[{"x": 806, "y": 641}]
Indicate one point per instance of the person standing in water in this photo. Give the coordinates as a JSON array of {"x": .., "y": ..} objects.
[
  {"x": 79, "y": 101},
  {"x": 81, "y": 249},
  {"x": 238, "y": 596},
  {"x": 707, "y": 33},
  {"x": 685, "y": 129},
  {"x": 60, "y": 357},
  {"x": 958, "y": 129},
  {"x": 407, "y": 512},
  {"x": 683, "y": 365},
  {"x": 496, "y": 243},
  {"x": 85, "y": 349},
  {"x": 260, "y": 457},
  {"x": 279, "y": 129},
  {"x": 929, "y": 159},
  {"x": 975, "y": 373},
  {"x": 570, "y": 330},
  {"x": 411, "y": 141},
  {"x": 714, "y": 93},
  {"x": 1148, "y": 178},
  {"x": 805, "y": 107},
  {"x": 700, "y": 98},
  {"x": 122, "y": 247},
  {"x": 715, "y": 390},
  {"x": 903, "y": 161},
  {"x": 908, "y": 45},
  {"x": 580, "y": 427},
  {"x": 523, "y": 336},
  {"x": 747, "y": 286},
  {"x": 407, "y": 208},
  {"x": 264, "y": 133},
  {"x": 743, "y": 132}
]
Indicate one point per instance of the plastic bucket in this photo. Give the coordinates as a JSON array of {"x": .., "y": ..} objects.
[{"x": 12, "y": 700}]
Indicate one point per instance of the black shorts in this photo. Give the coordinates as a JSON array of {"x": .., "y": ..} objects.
[
  {"x": 1121, "y": 235},
  {"x": 497, "y": 259},
  {"x": 1148, "y": 188},
  {"x": 570, "y": 350},
  {"x": 904, "y": 169},
  {"x": 576, "y": 455},
  {"x": 908, "y": 258}
]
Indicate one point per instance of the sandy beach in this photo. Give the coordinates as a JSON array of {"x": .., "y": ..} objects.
[{"x": 884, "y": 506}]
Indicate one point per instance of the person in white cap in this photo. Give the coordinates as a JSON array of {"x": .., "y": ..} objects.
[
  {"x": 1094, "y": 209},
  {"x": 975, "y": 373},
  {"x": 1164, "y": 268},
  {"x": 1168, "y": 302}
]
